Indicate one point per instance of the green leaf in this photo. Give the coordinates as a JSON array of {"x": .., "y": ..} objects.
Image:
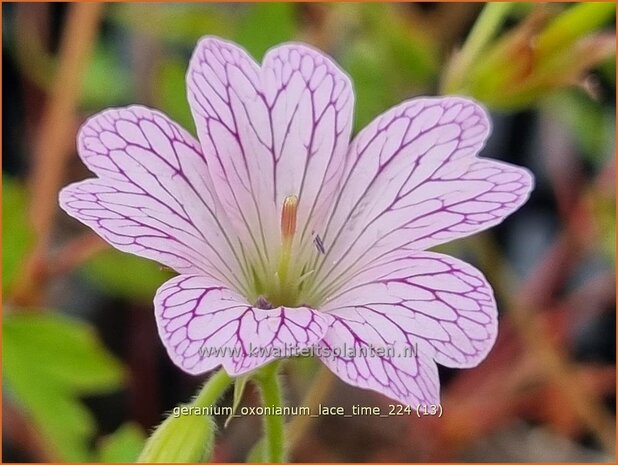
[
  {"x": 49, "y": 361},
  {"x": 388, "y": 62},
  {"x": 608, "y": 70},
  {"x": 363, "y": 63},
  {"x": 106, "y": 82},
  {"x": 411, "y": 52},
  {"x": 604, "y": 210},
  {"x": 171, "y": 92},
  {"x": 123, "y": 445},
  {"x": 182, "y": 24},
  {"x": 256, "y": 453},
  {"x": 18, "y": 236},
  {"x": 265, "y": 25},
  {"x": 65, "y": 424},
  {"x": 240, "y": 383},
  {"x": 126, "y": 275},
  {"x": 64, "y": 350},
  {"x": 591, "y": 124}
]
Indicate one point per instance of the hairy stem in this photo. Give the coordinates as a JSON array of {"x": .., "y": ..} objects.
[
  {"x": 213, "y": 389},
  {"x": 274, "y": 428}
]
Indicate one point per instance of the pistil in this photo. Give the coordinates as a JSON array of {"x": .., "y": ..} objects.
[{"x": 288, "y": 229}]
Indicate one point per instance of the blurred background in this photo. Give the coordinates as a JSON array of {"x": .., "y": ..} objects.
[{"x": 85, "y": 376}]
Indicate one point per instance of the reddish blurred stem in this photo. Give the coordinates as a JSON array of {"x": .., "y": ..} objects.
[
  {"x": 55, "y": 143},
  {"x": 55, "y": 140},
  {"x": 73, "y": 254},
  {"x": 537, "y": 292},
  {"x": 23, "y": 434}
]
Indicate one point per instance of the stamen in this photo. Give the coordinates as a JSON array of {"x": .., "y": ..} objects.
[
  {"x": 288, "y": 217},
  {"x": 304, "y": 276},
  {"x": 317, "y": 241}
]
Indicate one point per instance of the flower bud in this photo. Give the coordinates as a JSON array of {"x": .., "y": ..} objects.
[
  {"x": 544, "y": 53},
  {"x": 181, "y": 438}
]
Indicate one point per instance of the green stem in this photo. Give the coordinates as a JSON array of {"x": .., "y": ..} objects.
[
  {"x": 213, "y": 389},
  {"x": 274, "y": 428},
  {"x": 485, "y": 28}
]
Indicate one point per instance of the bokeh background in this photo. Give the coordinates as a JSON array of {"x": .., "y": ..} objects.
[{"x": 85, "y": 377}]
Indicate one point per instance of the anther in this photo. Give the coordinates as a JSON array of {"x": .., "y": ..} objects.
[{"x": 317, "y": 241}]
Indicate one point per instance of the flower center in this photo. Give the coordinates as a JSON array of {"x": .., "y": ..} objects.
[{"x": 284, "y": 284}]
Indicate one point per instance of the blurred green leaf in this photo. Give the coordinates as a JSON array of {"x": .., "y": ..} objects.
[
  {"x": 63, "y": 421},
  {"x": 126, "y": 275},
  {"x": 590, "y": 122},
  {"x": 123, "y": 445},
  {"x": 388, "y": 61},
  {"x": 18, "y": 236},
  {"x": 240, "y": 383},
  {"x": 49, "y": 361},
  {"x": 64, "y": 350},
  {"x": 106, "y": 81},
  {"x": 603, "y": 202},
  {"x": 520, "y": 10},
  {"x": 256, "y": 453},
  {"x": 362, "y": 61},
  {"x": 171, "y": 92},
  {"x": 265, "y": 25},
  {"x": 608, "y": 70},
  {"x": 605, "y": 207},
  {"x": 183, "y": 24}
]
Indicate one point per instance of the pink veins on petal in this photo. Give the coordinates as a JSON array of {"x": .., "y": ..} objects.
[{"x": 287, "y": 235}]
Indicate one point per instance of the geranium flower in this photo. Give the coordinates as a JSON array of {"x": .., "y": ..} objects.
[{"x": 287, "y": 236}]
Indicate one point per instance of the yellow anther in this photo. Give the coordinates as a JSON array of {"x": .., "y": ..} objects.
[{"x": 288, "y": 217}]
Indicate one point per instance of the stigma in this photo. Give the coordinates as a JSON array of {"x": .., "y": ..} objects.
[{"x": 288, "y": 217}]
